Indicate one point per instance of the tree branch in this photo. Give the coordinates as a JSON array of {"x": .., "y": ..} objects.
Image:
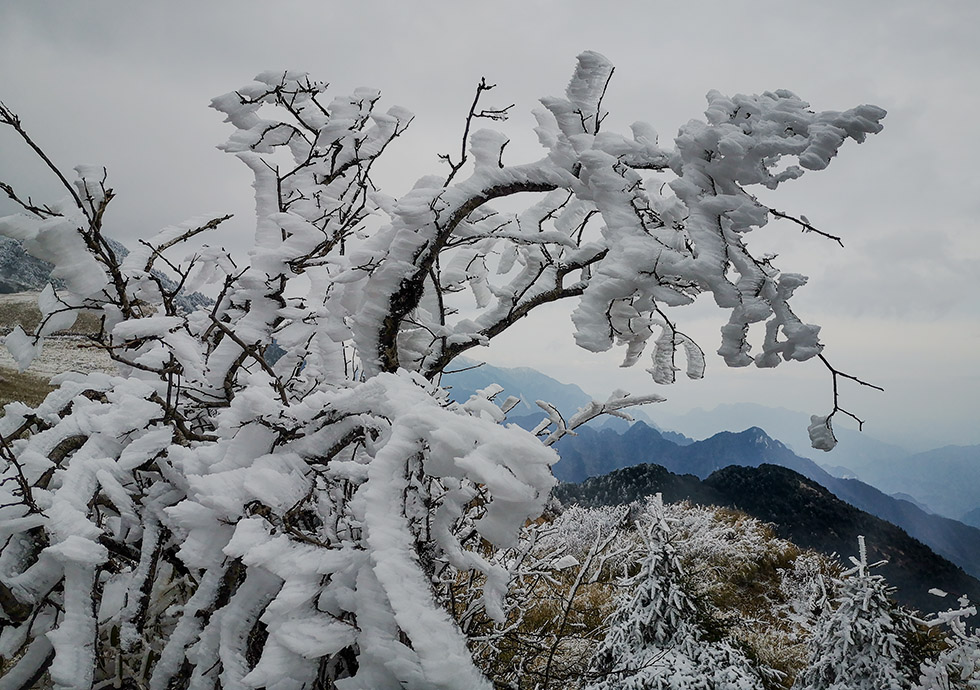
[
  {"x": 805, "y": 224},
  {"x": 7, "y": 117}
]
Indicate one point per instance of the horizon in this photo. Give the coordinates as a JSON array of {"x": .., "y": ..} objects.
[{"x": 724, "y": 413}]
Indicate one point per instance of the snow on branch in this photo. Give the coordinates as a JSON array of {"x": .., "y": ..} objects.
[
  {"x": 273, "y": 489},
  {"x": 615, "y": 406}
]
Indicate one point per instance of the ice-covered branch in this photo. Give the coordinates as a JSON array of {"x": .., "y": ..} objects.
[
  {"x": 271, "y": 488},
  {"x": 617, "y": 402},
  {"x": 821, "y": 430}
]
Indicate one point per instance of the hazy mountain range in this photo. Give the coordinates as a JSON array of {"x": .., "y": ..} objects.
[
  {"x": 596, "y": 451},
  {"x": 945, "y": 481}
]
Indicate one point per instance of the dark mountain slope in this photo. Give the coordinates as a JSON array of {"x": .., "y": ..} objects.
[
  {"x": 811, "y": 516},
  {"x": 954, "y": 540},
  {"x": 595, "y": 453},
  {"x": 800, "y": 510},
  {"x": 635, "y": 483}
]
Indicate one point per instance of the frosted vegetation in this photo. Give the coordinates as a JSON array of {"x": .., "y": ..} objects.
[{"x": 200, "y": 517}]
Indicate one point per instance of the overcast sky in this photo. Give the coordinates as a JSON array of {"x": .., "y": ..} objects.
[{"x": 127, "y": 85}]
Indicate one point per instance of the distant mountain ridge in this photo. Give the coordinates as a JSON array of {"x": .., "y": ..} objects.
[
  {"x": 21, "y": 272},
  {"x": 799, "y": 509},
  {"x": 530, "y": 385},
  {"x": 945, "y": 479},
  {"x": 597, "y": 452},
  {"x": 856, "y": 448},
  {"x": 615, "y": 445},
  {"x": 593, "y": 453}
]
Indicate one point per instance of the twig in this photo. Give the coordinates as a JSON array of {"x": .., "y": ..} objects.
[
  {"x": 497, "y": 114},
  {"x": 8, "y": 117},
  {"x": 157, "y": 251},
  {"x": 805, "y": 224},
  {"x": 837, "y": 408},
  {"x": 457, "y": 371},
  {"x": 599, "y": 117},
  {"x": 28, "y": 205}
]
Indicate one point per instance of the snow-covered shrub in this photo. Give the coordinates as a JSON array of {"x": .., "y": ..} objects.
[
  {"x": 657, "y": 639},
  {"x": 205, "y": 518},
  {"x": 755, "y": 588},
  {"x": 566, "y": 572},
  {"x": 860, "y": 642},
  {"x": 956, "y": 666}
]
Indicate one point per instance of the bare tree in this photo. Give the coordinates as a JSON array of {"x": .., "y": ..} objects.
[{"x": 208, "y": 518}]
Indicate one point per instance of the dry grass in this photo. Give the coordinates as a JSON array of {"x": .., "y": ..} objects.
[
  {"x": 27, "y": 388},
  {"x": 20, "y": 309},
  {"x": 60, "y": 353}
]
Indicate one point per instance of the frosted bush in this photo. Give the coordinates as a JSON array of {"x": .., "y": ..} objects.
[{"x": 202, "y": 517}]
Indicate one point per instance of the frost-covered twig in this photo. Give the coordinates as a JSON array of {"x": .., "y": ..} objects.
[
  {"x": 821, "y": 430},
  {"x": 617, "y": 402},
  {"x": 805, "y": 224}
]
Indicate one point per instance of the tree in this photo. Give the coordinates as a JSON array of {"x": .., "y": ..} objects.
[
  {"x": 860, "y": 643},
  {"x": 957, "y": 664},
  {"x": 655, "y": 640},
  {"x": 209, "y": 518}
]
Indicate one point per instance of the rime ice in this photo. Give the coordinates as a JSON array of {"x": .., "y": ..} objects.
[{"x": 263, "y": 522}]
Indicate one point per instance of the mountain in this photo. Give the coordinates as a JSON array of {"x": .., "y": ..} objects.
[
  {"x": 923, "y": 480},
  {"x": 751, "y": 447},
  {"x": 525, "y": 383},
  {"x": 957, "y": 541},
  {"x": 856, "y": 449},
  {"x": 972, "y": 518},
  {"x": 799, "y": 510},
  {"x": 911, "y": 499},
  {"x": 945, "y": 479},
  {"x": 593, "y": 453},
  {"x": 21, "y": 272},
  {"x": 530, "y": 385}
]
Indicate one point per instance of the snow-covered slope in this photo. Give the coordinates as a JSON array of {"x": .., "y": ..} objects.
[{"x": 21, "y": 272}]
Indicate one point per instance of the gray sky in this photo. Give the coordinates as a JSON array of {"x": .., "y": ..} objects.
[{"x": 127, "y": 85}]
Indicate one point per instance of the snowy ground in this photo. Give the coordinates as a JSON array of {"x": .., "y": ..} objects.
[
  {"x": 60, "y": 353},
  {"x": 63, "y": 353}
]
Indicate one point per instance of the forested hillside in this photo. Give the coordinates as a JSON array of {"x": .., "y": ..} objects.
[{"x": 799, "y": 510}]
